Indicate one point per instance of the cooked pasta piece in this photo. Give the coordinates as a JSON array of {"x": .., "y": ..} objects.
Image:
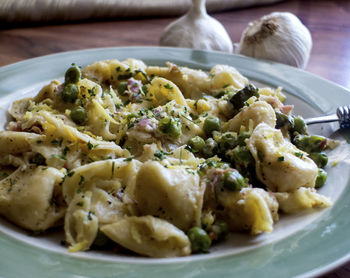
[
  {"x": 14, "y": 142},
  {"x": 192, "y": 83},
  {"x": 149, "y": 236},
  {"x": 172, "y": 194},
  {"x": 280, "y": 165},
  {"x": 28, "y": 198},
  {"x": 251, "y": 116},
  {"x": 223, "y": 75},
  {"x": 301, "y": 199},
  {"x": 251, "y": 209},
  {"x": 111, "y": 175},
  {"x": 80, "y": 223}
]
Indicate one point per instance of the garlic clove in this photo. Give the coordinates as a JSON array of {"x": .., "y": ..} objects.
[
  {"x": 280, "y": 37},
  {"x": 197, "y": 30}
]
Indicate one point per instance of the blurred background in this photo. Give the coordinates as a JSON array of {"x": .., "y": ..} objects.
[{"x": 39, "y": 27}]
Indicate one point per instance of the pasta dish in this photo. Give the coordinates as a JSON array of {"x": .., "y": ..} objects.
[{"x": 161, "y": 161}]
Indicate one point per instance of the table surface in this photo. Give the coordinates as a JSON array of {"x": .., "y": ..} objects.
[{"x": 328, "y": 22}]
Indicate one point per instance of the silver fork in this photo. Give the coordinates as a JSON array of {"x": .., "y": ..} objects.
[{"x": 342, "y": 116}]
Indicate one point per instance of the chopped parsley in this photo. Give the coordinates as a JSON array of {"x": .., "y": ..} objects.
[
  {"x": 299, "y": 154},
  {"x": 57, "y": 142},
  {"x": 160, "y": 154},
  {"x": 188, "y": 170},
  {"x": 91, "y": 146},
  {"x": 188, "y": 119},
  {"x": 129, "y": 158},
  {"x": 62, "y": 157},
  {"x": 145, "y": 89},
  {"x": 92, "y": 92},
  {"x": 113, "y": 164},
  {"x": 168, "y": 86},
  {"x": 89, "y": 215},
  {"x": 65, "y": 150},
  {"x": 82, "y": 180},
  {"x": 280, "y": 158}
]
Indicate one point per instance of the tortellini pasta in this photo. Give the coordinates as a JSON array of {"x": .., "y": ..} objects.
[
  {"x": 252, "y": 209},
  {"x": 149, "y": 236},
  {"x": 176, "y": 194},
  {"x": 280, "y": 165},
  {"x": 251, "y": 116},
  {"x": 162, "y": 161},
  {"x": 300, "y": 199},
  {"x": 80, "y": 224},
  {"x": 29, "y": 197}
]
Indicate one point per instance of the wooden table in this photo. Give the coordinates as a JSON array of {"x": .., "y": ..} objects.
[{"x": 328, "y": 21}]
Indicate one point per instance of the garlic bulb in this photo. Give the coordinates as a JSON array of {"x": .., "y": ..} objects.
[
  {"x": 198, "y": 30},
  {"x": 279, "y": 36}
]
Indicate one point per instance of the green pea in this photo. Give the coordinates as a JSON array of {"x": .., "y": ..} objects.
[
  {"x": 78, "y": 115},
  {"x": 122, "y": 87},
  {"x": 200, "y": 240},
  {"x": 283, "y": 120},
  {"x": 228, "y": 140},
  {"x": 170, "y": 127},
  {"x": 313, "y": 143},
  {"x": 299, "y": 125},
  {"x": 38, "y": 159},
  {"x": 70, "y": 93},
  {"x": 196, "y": 143},
  {"x": 211, "y": 124},
  {"x": 234, "y": 181},
  {"x": 210, "y": 148},
  {"x": 320, "y": 158},
  {"x": 321, "y": 178},
  {"x": 241, "y": 137},
  {"x": 242, "y": 156},
  {"x": 73, "y": 75},
  {"x": 317, "y": 143},
  {"x": 221, "y": 229}
]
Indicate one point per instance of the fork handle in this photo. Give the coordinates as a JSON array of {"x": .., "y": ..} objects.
[{"x": 322, "y": 119}]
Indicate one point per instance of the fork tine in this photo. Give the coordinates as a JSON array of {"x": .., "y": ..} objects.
[
  {"x": 343, "y": 113},
  {"x": 347, "y": 117},
  {"x": 340, "y": 114},
  {"x": 346, "y": 114}
]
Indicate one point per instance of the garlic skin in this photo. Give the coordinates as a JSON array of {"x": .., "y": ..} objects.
[
  {"x": 197, "y": 30},
  {"x": 280, "y": 37}
]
